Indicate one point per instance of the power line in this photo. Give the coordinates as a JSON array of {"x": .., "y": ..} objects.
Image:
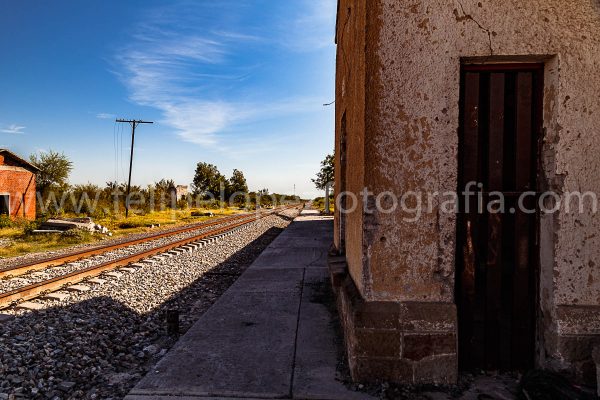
[
  {"x": 122, "y": 147},
  {"x": 115, "y": 150},
  {"x": 133, "y": 123}
]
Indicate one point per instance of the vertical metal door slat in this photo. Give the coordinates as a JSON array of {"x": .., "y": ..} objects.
[
  {"x": 494, "y": 232},
  {"x": 522, "y": 316}
]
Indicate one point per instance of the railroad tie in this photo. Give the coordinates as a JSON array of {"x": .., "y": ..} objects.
[
  {"x": 78, "y": 288},
  {"x": 56, "y": 296},
  {"x": 28, "y": 305}
]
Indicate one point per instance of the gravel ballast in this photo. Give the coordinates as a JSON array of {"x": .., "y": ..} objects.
[
  {"x": 7, "y": 285},
  {"x": 32, "y": 257},
  {"x": 99, "y": 343}
]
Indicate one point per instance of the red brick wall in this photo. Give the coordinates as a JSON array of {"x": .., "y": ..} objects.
[{"x": 17, "y": 183}]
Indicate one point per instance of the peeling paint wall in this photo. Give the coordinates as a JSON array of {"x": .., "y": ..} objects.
[{"x": 410, "y": 113}]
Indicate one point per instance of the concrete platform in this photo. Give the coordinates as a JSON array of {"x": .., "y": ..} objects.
[{"x": 269, "y": 336}]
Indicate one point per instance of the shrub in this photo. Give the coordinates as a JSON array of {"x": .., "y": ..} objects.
[
  {"x": 76, "y": 235},
  {"x": 212, "y": 204},
  {"x": 131, "y": 224},
  {"x": 30, "y": 226},
  {"x": 101, "y": 213},
  {"x": 183, "y": 204},
  {"x": 201, "y": 214},
  {"x": 5, "y": 221}
]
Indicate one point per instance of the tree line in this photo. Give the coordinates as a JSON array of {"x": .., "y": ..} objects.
[
  {"x": 210, "y": 189},
  {"x": 208, "y": 181}
]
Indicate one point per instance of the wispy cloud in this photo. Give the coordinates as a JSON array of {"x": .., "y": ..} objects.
[
  {"x": 314, "y": 28},
  {"x": 184, "y": 64},
  {"x": 13, "y": 128},
  {"x": 105, "y": 116}
]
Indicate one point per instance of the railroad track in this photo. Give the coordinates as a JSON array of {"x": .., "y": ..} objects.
[
  {"x": 21, "y": 269},
  {"x": 190, "y": 243}
]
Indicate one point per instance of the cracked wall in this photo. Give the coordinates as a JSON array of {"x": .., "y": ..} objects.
[{"x": 413, "y": 53}]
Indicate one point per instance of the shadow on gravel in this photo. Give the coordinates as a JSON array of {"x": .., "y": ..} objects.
[
  {"x": 99, "y": 348},
  {"x": 195, "y": 299}
]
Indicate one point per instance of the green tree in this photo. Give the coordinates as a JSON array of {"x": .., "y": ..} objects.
[
  {"x": 164, "y": 193},
  {"x": 325, "y": 175},
  {"x": 54, "y": 170},
  {"x": 237, "y": 182},
  {"x": 164, "y": 185},
  {"x": 208, "y": 179}
]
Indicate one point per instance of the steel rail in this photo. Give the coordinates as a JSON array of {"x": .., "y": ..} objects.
[
  {"x": 37, "y": 265},
  {"x": 35, "y": 290}
]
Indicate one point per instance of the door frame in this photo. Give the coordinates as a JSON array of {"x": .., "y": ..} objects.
[{"x": 539, "y": 122}]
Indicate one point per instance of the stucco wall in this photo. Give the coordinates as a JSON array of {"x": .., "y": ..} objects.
[
  {"x": 412, "y": 143},
  {"x": 414, "y": 51}
]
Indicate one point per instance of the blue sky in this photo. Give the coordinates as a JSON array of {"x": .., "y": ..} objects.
[{"x": 240, "y": 84}]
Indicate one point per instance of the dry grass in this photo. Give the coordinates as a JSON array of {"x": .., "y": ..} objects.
[
  {"x": 21, "y": 244},
  {"x": 15, "y": 242}
]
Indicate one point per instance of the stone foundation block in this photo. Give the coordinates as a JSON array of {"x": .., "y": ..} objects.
[{"x": 403, "y": 342}]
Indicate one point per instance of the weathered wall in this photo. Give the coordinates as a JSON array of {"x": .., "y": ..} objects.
[
  {"x": 17, "y": 181},
  {"x": 414, "y": 52},
  {"x": 412, "y": 342},
  {"x": 350, "y": 99}
]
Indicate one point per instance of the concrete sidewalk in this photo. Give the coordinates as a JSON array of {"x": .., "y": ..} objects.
[{"x": 269, "y": 336}]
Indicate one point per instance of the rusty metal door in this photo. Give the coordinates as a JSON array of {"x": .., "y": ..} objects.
[{"x": 496, "y": 289}]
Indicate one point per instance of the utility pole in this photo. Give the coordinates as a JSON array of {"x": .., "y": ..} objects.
[{"x": 133, "y": 123}]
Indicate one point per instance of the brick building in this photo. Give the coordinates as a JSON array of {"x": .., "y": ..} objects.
[
  {"x": 17, "y": 186},
  {"x": 432, "y": 95}
]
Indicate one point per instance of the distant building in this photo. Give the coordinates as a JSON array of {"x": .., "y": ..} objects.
[
  {"x": 182, "y": 191},
  {"x": 17, "y": 186}
]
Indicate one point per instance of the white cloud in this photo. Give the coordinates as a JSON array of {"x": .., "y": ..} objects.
[
  {"x": 183, "y": 74},
  {"x": 105, "y": 116},
  {"x": 13, "y": 128}
]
